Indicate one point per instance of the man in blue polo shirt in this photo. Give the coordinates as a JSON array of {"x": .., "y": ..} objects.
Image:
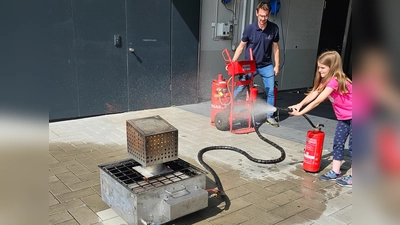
[{"x": 262, "y": 36}]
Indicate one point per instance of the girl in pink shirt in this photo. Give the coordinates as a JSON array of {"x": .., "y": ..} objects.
[{"x": 332, "y": 83}]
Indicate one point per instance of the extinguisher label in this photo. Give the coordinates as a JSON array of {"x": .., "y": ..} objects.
[
  {"x": 309, "y": 153},
  {"x": 217, "y": 106}
]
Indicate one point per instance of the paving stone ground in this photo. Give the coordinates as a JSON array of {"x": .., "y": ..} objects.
[{"x": 279, "y": 194}]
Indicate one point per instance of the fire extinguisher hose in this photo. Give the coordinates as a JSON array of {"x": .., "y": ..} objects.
[
  {"x": 218, "y": 183},
  {"x": 305, "y": 116},
  {"x": 311, "y": 123},
  {"x": 230, "y": 148}
]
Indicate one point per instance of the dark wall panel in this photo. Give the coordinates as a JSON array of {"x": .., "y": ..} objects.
[
  {"x": 149, "y": 66},
  {"x": 24, "y": 52},
  {"x": 89, "y": 75},
  {"x": 101, "y": 66},
  {"x": 185, "y": 40},
  {"x": 63, "y": 95}
]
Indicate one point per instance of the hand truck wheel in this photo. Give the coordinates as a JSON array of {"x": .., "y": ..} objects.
[{"x": 222, "y": 121}]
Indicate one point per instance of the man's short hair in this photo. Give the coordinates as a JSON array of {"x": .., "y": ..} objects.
[{"x": 264, "y": 6}]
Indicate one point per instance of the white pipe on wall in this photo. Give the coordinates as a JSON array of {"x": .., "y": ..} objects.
[
  {"x": 235, "y": 26},
  {"x": 251, "y": 11},
  {"x": 216, "y": 21},
  {"x": 244, "y": 11}
]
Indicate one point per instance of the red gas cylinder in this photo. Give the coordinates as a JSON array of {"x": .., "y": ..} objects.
[
  {"x": 313, "y": 150},
  {"x": 220, "y": 97},
  {"x": 275, "y": 92}
]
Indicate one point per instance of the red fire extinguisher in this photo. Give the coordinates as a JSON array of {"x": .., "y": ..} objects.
[
  {"x": 313, "y": 150},
  {"x": 220, "y": 97}
]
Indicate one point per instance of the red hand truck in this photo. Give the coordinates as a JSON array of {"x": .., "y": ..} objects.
[{"x": 225, "y": 111}]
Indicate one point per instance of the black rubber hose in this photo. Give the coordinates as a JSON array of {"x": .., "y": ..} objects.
[
  {"x": 305, "y": 116},
  {"x": 261, "y": 161},
  {"x": 311, "y": 123}
]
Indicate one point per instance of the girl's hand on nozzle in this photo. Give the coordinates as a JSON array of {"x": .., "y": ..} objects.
[
  {"x": 294, "y": 112},
  {"x": 297, "y": 106}
]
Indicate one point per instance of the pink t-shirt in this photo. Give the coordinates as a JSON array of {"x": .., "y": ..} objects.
[
  {"x": 366, "y": 101},
  {"x": 342, "y": 104}
]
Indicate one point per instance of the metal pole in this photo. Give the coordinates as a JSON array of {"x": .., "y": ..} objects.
[
  {"x": 251, "y": 11},
  {"x": 244, "y": 15}
]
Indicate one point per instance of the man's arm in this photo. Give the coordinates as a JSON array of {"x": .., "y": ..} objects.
[
  {"x": 239, "y": 50},
  {"x": 275, "y": 49}
]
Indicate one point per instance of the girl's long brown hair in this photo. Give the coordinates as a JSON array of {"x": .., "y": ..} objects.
[{"x": 334, "y": 62}]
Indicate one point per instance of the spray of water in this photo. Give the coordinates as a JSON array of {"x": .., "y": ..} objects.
[{"x": 263, "y": 108}]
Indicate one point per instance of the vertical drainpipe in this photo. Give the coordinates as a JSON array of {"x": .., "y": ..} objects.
[
  {"x": 244, "y": 14},
  {"x": 346, "y": 31},
  {"x": 251, "y": 11},
  {"x": 216, "y": 21},
  {"x": 234, "y": 24}
]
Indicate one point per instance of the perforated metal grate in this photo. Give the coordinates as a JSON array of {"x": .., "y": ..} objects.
[
  {"x": 152, "y": 140},
  {"x": 124, "y": 173}
]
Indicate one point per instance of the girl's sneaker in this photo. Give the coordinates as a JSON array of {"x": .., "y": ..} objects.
[
  {"x": 346, "y": 181},
  {"x": 331, "y": 175}
]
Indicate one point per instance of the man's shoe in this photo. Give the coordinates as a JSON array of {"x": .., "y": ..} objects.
[{"x": 272, "y": 122}]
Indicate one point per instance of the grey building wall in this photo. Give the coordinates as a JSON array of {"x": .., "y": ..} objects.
[
  {"x": 302, "y": 33},
  {"x": 90, "y": 74},
  {"x": 23, "y": 46},
  {"x": 74, "y": 45},
  {"x": 299, "y": 22}
]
